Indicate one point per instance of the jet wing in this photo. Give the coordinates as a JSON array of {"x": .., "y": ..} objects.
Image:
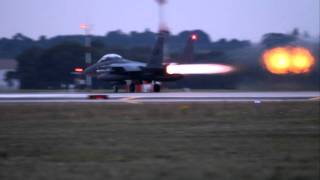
[{"x": 128, "y": 67}]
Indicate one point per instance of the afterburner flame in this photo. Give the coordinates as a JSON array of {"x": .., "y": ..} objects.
[
  {"x": 285, "y": 60},
  {"x": 198, "y": 69},
  {"x": 302, "y": 61}
]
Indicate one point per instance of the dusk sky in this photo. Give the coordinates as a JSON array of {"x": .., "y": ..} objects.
[{"x": 242, "y": 19}]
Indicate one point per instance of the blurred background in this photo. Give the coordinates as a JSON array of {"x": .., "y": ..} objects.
[{"x": 272, "y": 44}]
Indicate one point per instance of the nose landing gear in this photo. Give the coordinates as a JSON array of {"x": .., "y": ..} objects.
[
  {"x": 115, "y": 88},
  {"x": 156, "y": 87},
  {"x": 132, "y": 87}
]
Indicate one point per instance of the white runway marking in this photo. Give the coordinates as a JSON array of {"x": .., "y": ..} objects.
[{"x": 160, "y": 97}]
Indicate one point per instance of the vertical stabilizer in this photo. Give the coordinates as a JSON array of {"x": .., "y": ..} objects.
[
  {"x": 188, "y": 51},
  {"x": 157, "y": 52}
]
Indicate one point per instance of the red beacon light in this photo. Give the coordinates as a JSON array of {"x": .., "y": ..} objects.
[
  {"x": 194, "y": 37},
  {"x": 78, "y": 70}
]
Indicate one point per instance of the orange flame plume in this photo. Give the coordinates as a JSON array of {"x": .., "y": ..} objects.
[{"x": 285, "y": 60}]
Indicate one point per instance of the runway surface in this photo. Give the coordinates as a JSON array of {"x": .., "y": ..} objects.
[{"x": 256, "y": 97}]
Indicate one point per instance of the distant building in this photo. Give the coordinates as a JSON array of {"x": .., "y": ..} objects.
[{"x": 7, "y": 65}]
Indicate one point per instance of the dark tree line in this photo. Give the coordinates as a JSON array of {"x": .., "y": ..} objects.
[
  {"x": 49, "y": 66},
  {"x": 43, "y": 69},
  {"x": 10, "y": 48}
]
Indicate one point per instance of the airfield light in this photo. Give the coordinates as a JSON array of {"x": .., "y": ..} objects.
[
  {"x": 285, "y": 60},
  {"x": 198, "y": 69},
  {"x": 87, "y": 55},
  {"x": 84, "y": 26},
  {"x": 78, "y": 69}
]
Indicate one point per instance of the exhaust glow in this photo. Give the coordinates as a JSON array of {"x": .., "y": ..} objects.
[
  {"x": 285, "y": 60},
  {"x": 198, "y": 69}
]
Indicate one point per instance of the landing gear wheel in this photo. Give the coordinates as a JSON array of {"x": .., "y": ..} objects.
[
  {"x": 132, "y": 88},
  {"x": 156, "y": 87},
  {"x": 115, "y": 89}
]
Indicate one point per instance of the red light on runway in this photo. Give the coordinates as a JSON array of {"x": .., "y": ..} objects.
[
  {"x": 198, "y": 69},
  {"x": 98, "y": 97}
]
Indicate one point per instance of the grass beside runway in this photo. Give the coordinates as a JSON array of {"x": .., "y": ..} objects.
[{"x": 160, "y": 141}]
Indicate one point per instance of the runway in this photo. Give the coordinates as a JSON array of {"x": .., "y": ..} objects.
[{"x": 256, "y": 97}]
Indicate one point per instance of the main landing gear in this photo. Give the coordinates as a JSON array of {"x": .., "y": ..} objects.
[
  {"x": 116, "y": 86},
  {"x": 147, "y": 86},
  {"x": 132, "y": 87},
  {"x": 139, "y": 86}
]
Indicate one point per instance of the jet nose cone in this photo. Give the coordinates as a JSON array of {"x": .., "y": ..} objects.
[{"x": 90, "y": 70}]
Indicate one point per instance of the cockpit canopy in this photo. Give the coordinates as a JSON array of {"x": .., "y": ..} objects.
[{"x": 109, "y": 57}]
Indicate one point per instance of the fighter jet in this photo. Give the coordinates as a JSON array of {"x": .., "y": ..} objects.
[{"x": 116, "y": 69}]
